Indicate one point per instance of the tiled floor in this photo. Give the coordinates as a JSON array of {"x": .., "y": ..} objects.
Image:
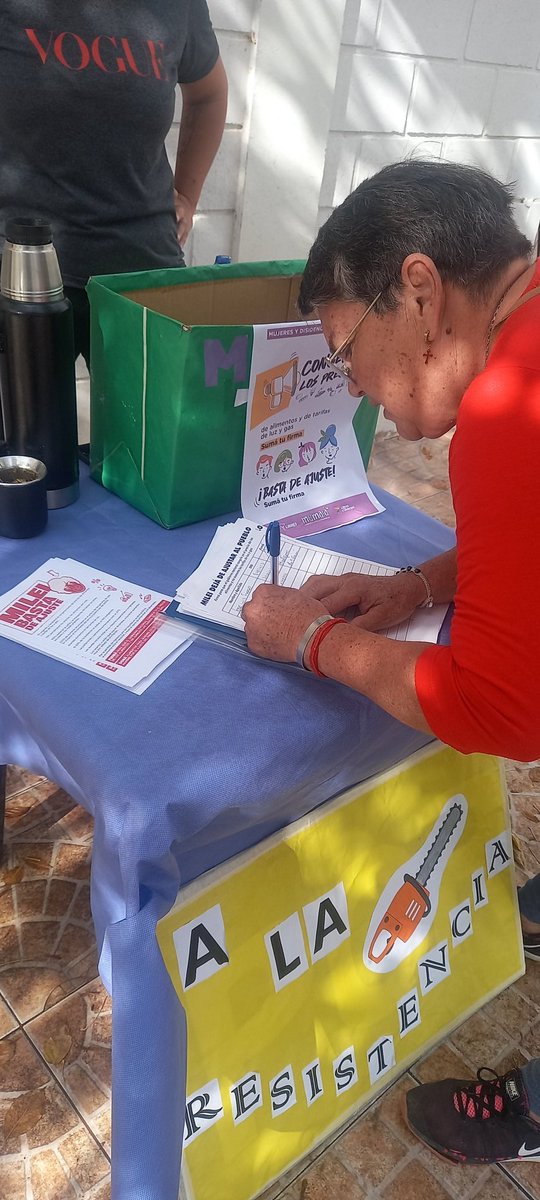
[{"x": 55, "y": 1015}]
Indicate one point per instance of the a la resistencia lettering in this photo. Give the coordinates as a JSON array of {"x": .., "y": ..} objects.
[{"x": 323, "y": 925}]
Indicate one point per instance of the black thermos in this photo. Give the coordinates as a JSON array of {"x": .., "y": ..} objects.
[{"x": 38, "y": 405}]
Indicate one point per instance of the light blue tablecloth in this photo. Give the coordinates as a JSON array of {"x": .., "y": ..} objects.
[{"x": 221, "y": 751}]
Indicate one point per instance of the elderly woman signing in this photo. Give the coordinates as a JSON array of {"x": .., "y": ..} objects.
[{"x": 430, "y": 304}]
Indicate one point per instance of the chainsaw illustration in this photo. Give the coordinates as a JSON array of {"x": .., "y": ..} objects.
[{"x": 411, "y": 902}]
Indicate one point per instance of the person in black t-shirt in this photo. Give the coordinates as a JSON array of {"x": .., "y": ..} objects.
[{"x": 87, "y": 95}]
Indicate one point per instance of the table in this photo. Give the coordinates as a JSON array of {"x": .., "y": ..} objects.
[{"x": 187, "y": 775}]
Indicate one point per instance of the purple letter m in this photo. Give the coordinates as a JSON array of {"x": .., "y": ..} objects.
[{"x": 216, "y": 358}]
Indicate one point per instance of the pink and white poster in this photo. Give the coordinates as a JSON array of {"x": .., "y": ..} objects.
[{"x": 302, "y": 463}]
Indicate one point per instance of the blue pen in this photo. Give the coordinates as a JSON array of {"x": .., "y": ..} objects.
[{"x": 273, "y": 545}]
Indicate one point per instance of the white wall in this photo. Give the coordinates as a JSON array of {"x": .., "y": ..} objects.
[
  {"x": 324, "y": 93},
  {"x": 457, "y": 79}
]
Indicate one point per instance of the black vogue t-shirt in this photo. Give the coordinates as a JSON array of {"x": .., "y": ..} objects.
[{"x": 86, "y": 101}]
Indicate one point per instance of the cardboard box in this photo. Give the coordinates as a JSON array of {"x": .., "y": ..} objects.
[{"x": 169, "y": 352}]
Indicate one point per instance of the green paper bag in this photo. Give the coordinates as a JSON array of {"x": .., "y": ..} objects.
[{"x": 169, "y": 352}]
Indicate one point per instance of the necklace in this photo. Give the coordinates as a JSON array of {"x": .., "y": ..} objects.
[{"x": 493, "y": 321}]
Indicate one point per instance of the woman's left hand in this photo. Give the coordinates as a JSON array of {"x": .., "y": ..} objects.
[
  {"x": 185, "y": 212},
  {"x": 276, "y": 618}
]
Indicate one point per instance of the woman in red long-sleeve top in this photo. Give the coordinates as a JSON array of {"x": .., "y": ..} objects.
[
  {"x": 429, "y": 302},
  {"x": 483, "y": 691},
  {"x": 431, "y": 306}
]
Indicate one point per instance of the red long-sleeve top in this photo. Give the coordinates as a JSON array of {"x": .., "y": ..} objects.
[{"x": 482, "y": 693}]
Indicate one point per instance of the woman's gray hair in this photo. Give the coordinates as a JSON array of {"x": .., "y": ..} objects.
[{"x": 459, "y": 216}]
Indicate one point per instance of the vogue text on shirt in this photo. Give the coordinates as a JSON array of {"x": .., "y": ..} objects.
[{"x": 112, "y": 55}]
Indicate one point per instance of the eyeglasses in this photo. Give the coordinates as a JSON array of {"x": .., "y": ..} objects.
[{"x": 334, "y": 360}]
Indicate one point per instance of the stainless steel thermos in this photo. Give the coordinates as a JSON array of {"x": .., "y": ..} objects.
[{"x": 38, "y": 407}]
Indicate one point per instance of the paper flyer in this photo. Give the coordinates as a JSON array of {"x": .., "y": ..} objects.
[
  {"x": 302, "y": 463},
  {"x": 92, "y": 621}
]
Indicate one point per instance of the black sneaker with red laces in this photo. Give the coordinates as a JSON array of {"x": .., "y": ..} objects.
[{"x": 476, "y": 1121}]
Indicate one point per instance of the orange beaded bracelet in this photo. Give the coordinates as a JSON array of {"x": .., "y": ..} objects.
[{"x": 315, "y": 644}]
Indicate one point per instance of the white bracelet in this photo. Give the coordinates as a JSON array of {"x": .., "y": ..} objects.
[
  {"x": 307, "y": 636},
  {"x": 428, "y": 602}
]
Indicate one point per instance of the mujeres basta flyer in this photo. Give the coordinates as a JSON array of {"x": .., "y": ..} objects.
[{"x": 302, "y": 463}]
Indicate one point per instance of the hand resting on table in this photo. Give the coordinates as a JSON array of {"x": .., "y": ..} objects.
[{"x": 369, "y": 601}]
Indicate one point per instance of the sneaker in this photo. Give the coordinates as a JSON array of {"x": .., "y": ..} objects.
[
  {"x": 531, "y": 942},
  {"x": 476, "y": 1121},
  {"x": 531, "y": 945}
]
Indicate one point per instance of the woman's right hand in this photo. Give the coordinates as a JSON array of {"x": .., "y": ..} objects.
[{"x": 370, "y": 601}]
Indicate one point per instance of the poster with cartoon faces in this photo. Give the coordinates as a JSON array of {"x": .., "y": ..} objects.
[{"x": 302, "y": 463}]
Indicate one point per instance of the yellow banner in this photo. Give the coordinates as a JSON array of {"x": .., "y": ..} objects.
[{"x": 317, "y": 967}]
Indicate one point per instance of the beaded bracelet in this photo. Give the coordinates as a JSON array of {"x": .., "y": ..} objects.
[
  {"x": 428, "y": 602},
  {"x": 315, "y": 645}
]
